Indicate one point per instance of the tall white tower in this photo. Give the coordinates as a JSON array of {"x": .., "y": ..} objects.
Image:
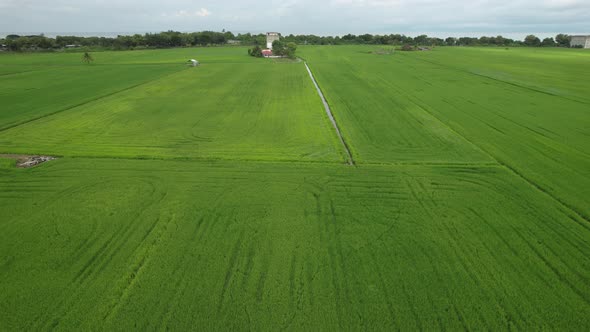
[{"x": 271, "y": 37}]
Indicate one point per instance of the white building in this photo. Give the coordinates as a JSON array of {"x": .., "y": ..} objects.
[
  {"x": 578, "y": 41},
  {"x": 271, "y": 37}
]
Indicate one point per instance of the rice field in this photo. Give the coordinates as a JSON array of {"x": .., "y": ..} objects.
[
  {"x": 541, "y": 135},
  {"x": 223, "y": 110},
  {"x": 219, "y": 198}
]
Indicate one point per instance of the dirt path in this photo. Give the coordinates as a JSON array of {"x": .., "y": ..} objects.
[
  {"x": 350, "y": 161},
  {"x": 26, "y": 161}
]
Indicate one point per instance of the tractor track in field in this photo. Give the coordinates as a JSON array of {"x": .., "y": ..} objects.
[
  {"x": 518, "y": 85},
  {"x": 85, "y": 102},
  {"x": 350, "y": 161},
  {"x": 18, "y": 72},
  {"x": 580, "y": 214}
]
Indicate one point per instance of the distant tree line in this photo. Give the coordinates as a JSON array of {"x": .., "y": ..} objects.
[{"x": 169, "y": 39}]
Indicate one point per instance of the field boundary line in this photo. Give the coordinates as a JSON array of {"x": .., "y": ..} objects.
[
  {"x": 511, "y": 169},
  {"x": 527, "y": 87},
  {"x": 285, "y": 161},
  {"x": 544, "y": 191},
  {"x": 291, "y": 161},
  {"x": 18, "y": 72},
  {"x": 85, "y": 102},
  {"x": 350, "y": 161}
]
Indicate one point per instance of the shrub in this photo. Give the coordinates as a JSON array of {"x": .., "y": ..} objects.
[{"x": 407, "y": 47}]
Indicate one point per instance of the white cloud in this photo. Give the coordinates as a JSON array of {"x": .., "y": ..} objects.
[
  {"x": 337, "y": 17},
  {"x": 203, "y": 12},
  {"x": 366, "y": 3},
  {"x": 565, "y": 4}
]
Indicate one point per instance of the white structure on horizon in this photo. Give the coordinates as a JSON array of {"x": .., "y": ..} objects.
[
  {"x": 271, "y": 37},
  {"x": 583, "y": 41}
]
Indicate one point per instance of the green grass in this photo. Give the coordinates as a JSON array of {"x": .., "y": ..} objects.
[
  {"x": 7, "y": 163},
  {"x": 37, "y": 84},
  {"x": 556, "y": 71},
  {"x": 217, "y": 198},
  {"x": 380, "y": 123},
  {"x": 166, "y": 56},
  {"x": 39, "y": 92},
  {"x": 182, "y": 245},
  {"x": 257, "y": 111},
  {"x": 541, "y": 136}
]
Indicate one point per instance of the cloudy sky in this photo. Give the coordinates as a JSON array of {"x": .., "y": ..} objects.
[{"x": 336, "y": 17}]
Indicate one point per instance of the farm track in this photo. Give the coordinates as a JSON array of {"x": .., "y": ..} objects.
[{"x": 330, "y": 115}]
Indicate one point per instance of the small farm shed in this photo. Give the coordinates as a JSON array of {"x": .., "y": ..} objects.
[{"x": 266, "y": 53}]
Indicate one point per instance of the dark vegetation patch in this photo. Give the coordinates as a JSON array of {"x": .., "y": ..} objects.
[{"x": 384, "y": 51}]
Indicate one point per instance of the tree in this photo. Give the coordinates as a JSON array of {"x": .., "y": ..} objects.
[
  {"x": 290, "y": 50},
  {"x": 450, "y": 41},
  {"x": 563, "y": 40},
  {"x": 281, "y": 48},
  {"x": 503, "y": 41},
  {"x": 255, "y": 52},
  {"x": 548, "y": 42},
  {"x": 436, "y": 41},
  {"x": 467, "y": 41},
  {"x": 278, "y": 48},
  {"x": 486, "y": 40},
  {"x": 532, "y": 40},
  {"x": 44, "y": 42},
  {"x": 421, "y": 40},
  {"x": 348, "y": 38},
  {"x": 366, "y": 38},
  {"x": 87, "y": 58}
]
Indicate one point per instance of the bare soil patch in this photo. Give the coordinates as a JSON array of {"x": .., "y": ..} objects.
[{"x": 26, "y": 161}]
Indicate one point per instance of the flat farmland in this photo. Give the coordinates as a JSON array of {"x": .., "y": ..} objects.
[
  {"x": 31, "y": 93},
  {"x": 554, "y": 71},
  {"x": 223, "y": 245},
  {"x": 227, "y": 110},
  {"x": 541, "y": 136},
  {"x": 219, "y": 198}
]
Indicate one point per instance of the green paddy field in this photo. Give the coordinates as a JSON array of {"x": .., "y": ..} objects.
[{"x": 220, "y": 197}]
